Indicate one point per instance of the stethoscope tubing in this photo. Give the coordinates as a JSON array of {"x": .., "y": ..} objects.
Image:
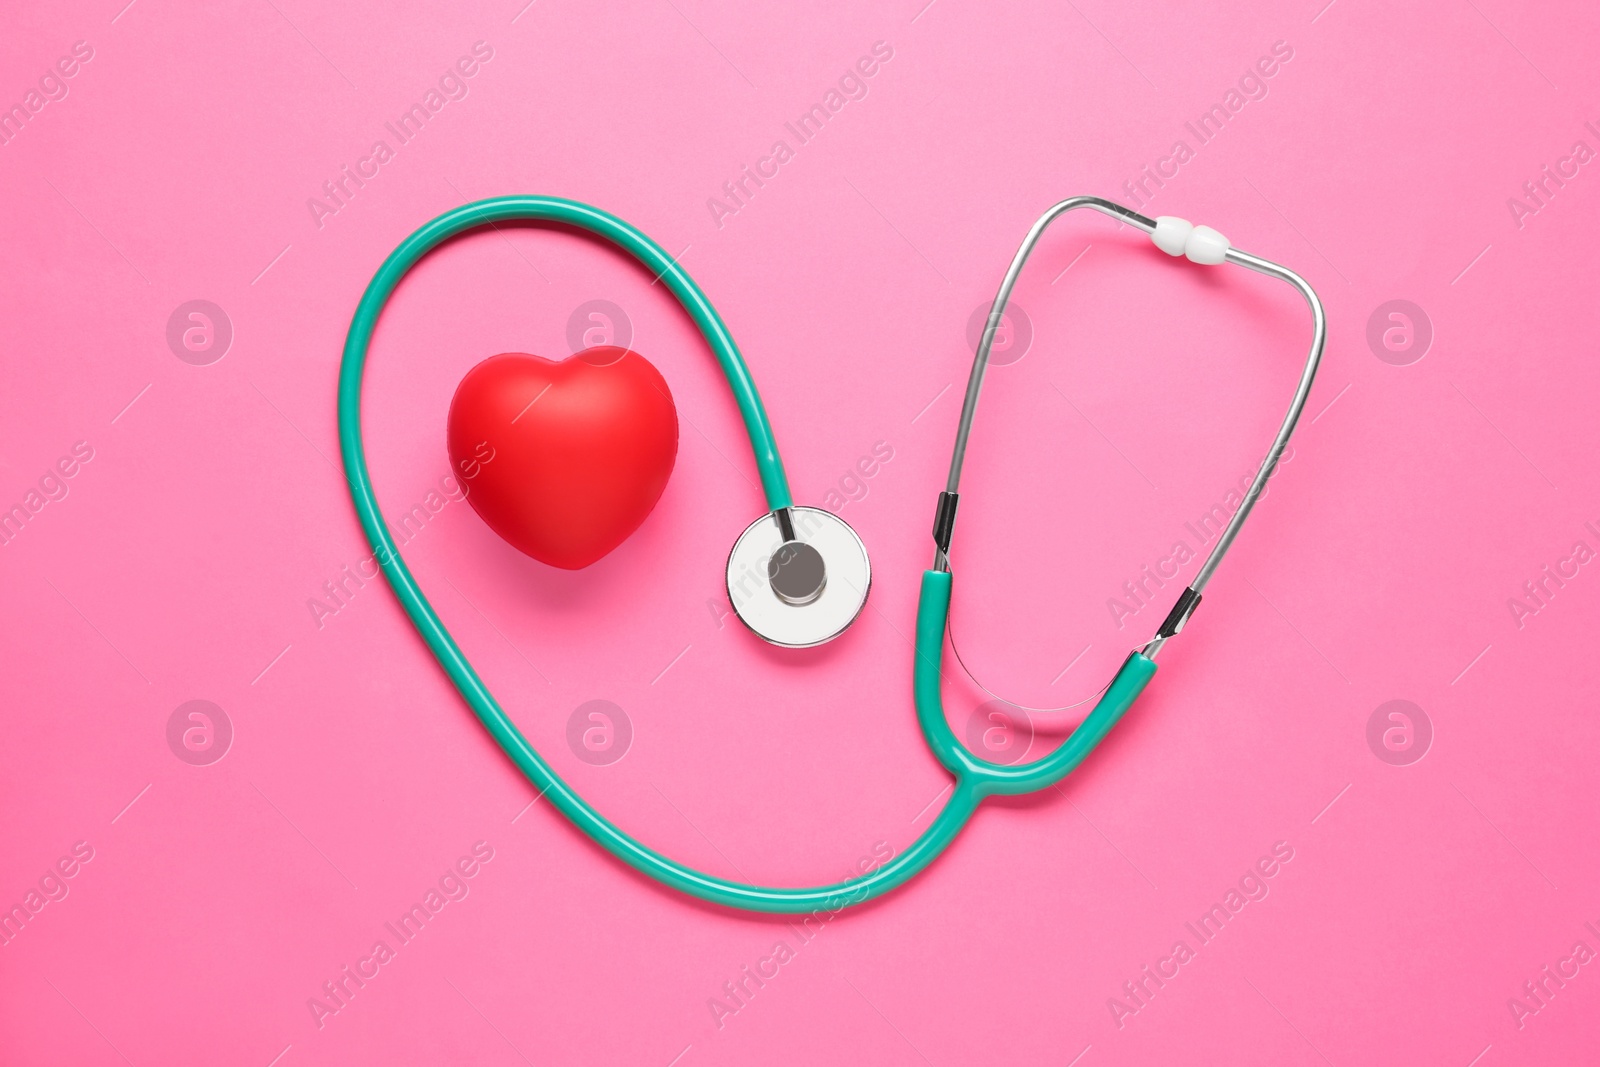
[{"x": 592, "y": 220}]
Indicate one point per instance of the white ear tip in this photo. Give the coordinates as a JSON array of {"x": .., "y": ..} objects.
[
  {"x": 1172, "y": 234},
  {"x": 1205, "y": 245}
]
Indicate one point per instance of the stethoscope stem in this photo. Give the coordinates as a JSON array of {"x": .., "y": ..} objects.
[{"x": 785, "y": 519}]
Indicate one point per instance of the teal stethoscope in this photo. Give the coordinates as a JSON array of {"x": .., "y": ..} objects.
[{"x": 814, "y": 576}]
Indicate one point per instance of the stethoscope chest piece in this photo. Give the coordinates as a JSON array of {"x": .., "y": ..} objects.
[{"x": 798, "y": 577}]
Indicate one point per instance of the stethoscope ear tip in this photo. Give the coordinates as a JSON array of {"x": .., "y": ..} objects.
[{"x": 798, "y": 577}]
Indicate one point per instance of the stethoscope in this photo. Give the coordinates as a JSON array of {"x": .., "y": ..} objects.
[{"x": 799, "y": 576}]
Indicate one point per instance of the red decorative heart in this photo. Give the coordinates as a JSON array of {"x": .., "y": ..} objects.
[{"x": 564, "y": 459}]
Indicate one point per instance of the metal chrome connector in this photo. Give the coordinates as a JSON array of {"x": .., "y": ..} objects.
[{"x": 944, "y": 524}]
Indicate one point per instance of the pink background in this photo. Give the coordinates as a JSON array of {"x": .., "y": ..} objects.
[{"x": 181, "y": 562}]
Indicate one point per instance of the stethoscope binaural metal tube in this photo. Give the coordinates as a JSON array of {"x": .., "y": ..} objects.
[
  {"x": 980, "y": 362},
  {"x": 945, "y": 518},
  {"x": 1319, "y": 329}
]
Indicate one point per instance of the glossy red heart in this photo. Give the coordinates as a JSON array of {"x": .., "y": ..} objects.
[{"x": 564, "y": 459}]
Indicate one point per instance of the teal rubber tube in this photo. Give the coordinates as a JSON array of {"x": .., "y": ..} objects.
[
  {"x": 774, "y": 482},
  {"x": 974, "y": 778},
  {"x": 984, "y": 776}
]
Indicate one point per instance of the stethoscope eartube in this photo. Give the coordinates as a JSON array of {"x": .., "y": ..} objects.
[
  {"x": 1176, "y": 237},
  {"x": 796, "y": 576}
]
